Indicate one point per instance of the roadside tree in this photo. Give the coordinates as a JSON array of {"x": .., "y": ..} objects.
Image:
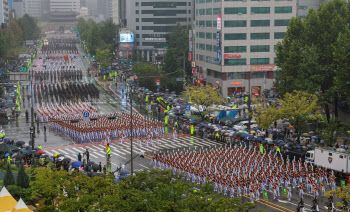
[
  {"x": 203, "y": 97},
  {"x": 265, "y": 114},
  {"x": 298, "y": 108},
  {"x": 147, "y": 75}
]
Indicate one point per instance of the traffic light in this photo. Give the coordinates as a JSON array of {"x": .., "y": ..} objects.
[{"x": 113, "y": 117}]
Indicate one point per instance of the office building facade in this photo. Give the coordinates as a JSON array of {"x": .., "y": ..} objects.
[
  {"x": 65, "y": 6},
  {"x": 153, "y": 20},
  {"x": 235, "y": 42}
]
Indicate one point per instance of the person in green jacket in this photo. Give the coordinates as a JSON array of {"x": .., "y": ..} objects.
[
  {"x": 192, "y": 129},
  {"x": 261, "y": 149}
]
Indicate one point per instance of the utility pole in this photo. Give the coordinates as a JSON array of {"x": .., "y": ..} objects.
[
  {"x": 249, "y": 102},
  {"x": 131, "y": 147},
  {"x": 32, "y": 128},
  {"x": 184, "y": 79}
]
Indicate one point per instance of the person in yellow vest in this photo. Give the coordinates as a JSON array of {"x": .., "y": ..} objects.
[
  {"x": 176, "y": 125},
  {"x": 2, "y": 135},
  {"x": 166, "y": 120},
  {"x": 168, "y": 108},
  {"x": 261, "y": 149},
  {"x": 8, "y": 160},
  {"x": 192, "y": 129},
  {"x": 40, "y": 147},
  {"x": 278, "y": 150},
  {"x": 109, "y": 153},
  {"x": 217, "y": 136}
]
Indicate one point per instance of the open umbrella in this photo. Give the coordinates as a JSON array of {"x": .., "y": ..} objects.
[
  {"x": 95, "y": 167},
  {"x": 124, "y": 173},
  {"x": 77, "y": 164},
  {"x": 90, "y": 163},
  {"x": 116, "y": 180},
  {"x": 57, "y": 154},
  {"x": 40, "y": 151},
  {"x": 66, "y": 160},
  {"x": 8, "y": 147},
  {"x": 19, "y": 143},
  {"x": 60, "y": 158},
  {"x": 7, "y": 154}
]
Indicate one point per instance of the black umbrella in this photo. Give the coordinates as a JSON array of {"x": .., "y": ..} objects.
[
  {"x": 90, "y": 163},
  {"x": 19, "y": 143},
  {"x": 95, "y": 167},
  {"x": 36, "y": 154},
  {"x": 66, "y": 160},
  {"x": 8, "y": 147},
  {"x": 20, "y": 156}
]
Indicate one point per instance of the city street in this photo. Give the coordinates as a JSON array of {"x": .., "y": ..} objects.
[{"x": 111, "y": 100}]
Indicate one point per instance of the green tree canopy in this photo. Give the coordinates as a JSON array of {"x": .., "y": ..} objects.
[
  {"x": 22, "y": 177},
  {"x": 14, "y": 33},
  {"x": 177, "y": 52},
  {"x": 153, "y": 190},
  {"x": 203, "y": 97},
  {"x": 147, "y": 75},
  {"x": 9, "y": 179},
  {"x": 306, "y": 55},
  {"x": 29, "y": 27},
  {"x": 104, "y": 57},
  {"x": 298, "y": 108},
  {"x": 265, "y": 114}
]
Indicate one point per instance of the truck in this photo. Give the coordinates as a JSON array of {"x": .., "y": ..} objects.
[{"x": 337, "y": 160}]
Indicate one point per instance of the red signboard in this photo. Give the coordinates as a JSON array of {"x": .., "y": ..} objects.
[
  {"x": 227, "y": 56},
  {"x": 189, "y": 56},
  {"x": 158, "y": 80},
  {"x": 136, "y": 77}
]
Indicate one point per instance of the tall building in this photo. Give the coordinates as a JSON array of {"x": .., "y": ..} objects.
[
  {"x": 65, "y": 6},
  {"x": 17, "y": 5},
  {"x": 32, "y": 7},
  {"x": 235, "y": 42},
  {"x": 115, "y": 12},
  {"x": 153, "y": 20},
  {"x": 4, "y": 12}
]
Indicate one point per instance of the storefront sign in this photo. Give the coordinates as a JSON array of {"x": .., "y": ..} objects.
[
  {"x": 236, "y": 83},
  {"x": 190, "y": 46},
  {"x": 190, "y": 34},
  {"x": 262, "y": 67},
  {"x": 219, "y": 22},
  {"x": 189, "y": 56},
  {"x": 226, "y": 56}
]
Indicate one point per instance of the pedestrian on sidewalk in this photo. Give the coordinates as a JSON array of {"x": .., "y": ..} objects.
[
  {"x": 87, "y": 155},
  {"x": 79, "y": 157}
]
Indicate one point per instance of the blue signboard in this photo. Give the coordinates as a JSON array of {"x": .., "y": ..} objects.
[
  {"x": 86, "y": 114},
  {"x": 218, "y": 46},
  {"x": 188, "y": 107},
  {"x": 179, "y": 79}
]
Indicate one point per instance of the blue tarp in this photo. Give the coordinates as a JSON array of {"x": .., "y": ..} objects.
[
  {"x": 232, "y": 114},
  {"x": 222, "y": 114}
]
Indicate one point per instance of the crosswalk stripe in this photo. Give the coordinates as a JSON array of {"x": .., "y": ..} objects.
[
  {"x": 96, "y": 153},
  {"x": 71, "y": 157},
  {"x": 64, "y": 152},
  {"x": 49, "y": 153},
  {"x": 113, "y": 153},
  {"x": 174, "y": 144},
  {"x": 75, "y": 149},
  {"x": 93, "y": 147},
  {"x": 69, "y": 150}
]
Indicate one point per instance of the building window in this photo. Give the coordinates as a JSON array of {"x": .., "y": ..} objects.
[
  {"x": 235, "y": 75},
  {"x": 235, "y": 62},
  {"x": 234, "y": 0},
  {"x": 137, "y": 11},
  {"x": 208, "y": 23},
  {"x": 263, "y": 0},
  {"x": 209, "y": 11},
  {"x": 201, "y": 46},
  {"x": 259, "y": 61},
  {"x": 137, "y": 27},
  {"x": 235, "y": 10},
  {"x": 136, "y": 4},
  {"x": 235, "y": 23},
  {"x": 259, "y": 36},
  {"x": 279, "y": 35},
  {"x": 137, "y": 19},
  {"x": 260, "y": 10},
  {"x": 260, "y": 48},
  {"x": 196, "y": 11},
  {"x": 214, "y": 36},
  {"x": 283, "y": 9},
  {"x": 259, "y": 74},
  {"x": 137, "y": 35},
  {"x": 201, "y": 35},
  {"x": 165, "y": 12},
  {"x": 215, "y": 24},
  {"x": 208, "y": 1},
  {"x": 209, "y": 47},
  {"x": 235, "y": 36},
  {"x": 216, "y": 11},
  {"x": 201, "y": 11},
  {"x": 282, "y": 22},
  {"x": 275, "y": 48},
  {"x": 259, "y": 23},
  {"x": 209, "y": 35},
  {"x": 218, "y": 75},
  {"x": 235, "y": 49},
  {"x": 196, "y": 45},
  {"x": 201, "y": 1},
  {"x": 201, "y": 23}
]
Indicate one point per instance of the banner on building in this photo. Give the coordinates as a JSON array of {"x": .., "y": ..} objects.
[{"x": 218, "y": 22}]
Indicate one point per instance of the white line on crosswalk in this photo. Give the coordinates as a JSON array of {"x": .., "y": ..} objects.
[
  {"x": 96, "y": 153},
  {"x": 63, "y": 151},
  {"x": 75, "y": 149},
  {"x": 144, "y": 166},
  {"x": 94, "y": 148},
  {"x": 71, "y": 151}
]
